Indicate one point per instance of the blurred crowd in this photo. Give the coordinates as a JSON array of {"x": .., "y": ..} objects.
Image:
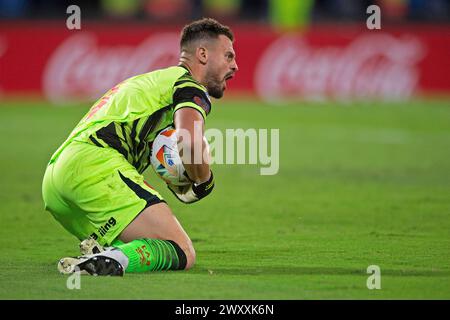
[{"x": 278, "y": 12}]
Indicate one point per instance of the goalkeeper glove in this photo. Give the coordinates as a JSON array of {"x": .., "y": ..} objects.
[{"x": 193, "y": 192}]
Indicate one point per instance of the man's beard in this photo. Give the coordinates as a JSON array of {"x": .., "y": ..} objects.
[{"x": 214, "y": 86}]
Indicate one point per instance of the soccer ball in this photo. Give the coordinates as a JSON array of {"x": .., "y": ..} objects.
[{"x": 166, "y": 160}]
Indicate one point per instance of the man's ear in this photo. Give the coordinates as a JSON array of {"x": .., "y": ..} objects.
[{"x": 201, "y": 54}]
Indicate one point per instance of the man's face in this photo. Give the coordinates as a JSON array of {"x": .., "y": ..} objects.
[{"x": 221, "y": 66}]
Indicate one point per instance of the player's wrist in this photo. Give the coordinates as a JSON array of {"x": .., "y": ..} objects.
[
  {"x": 204, "y": 188},
  {"x": 197, "y": 178},
  {"x": 204, "y": 179}
]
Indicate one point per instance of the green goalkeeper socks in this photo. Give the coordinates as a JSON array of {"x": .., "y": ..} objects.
[{"x": 152, "y": 255}]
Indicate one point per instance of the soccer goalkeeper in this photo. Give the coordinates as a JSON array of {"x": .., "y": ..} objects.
[{"x": 93, "y": 184}]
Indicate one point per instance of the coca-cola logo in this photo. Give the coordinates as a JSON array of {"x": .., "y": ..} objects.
[
  {"x": 80, "y": 69},
  {"x": 372, "y": 66}
]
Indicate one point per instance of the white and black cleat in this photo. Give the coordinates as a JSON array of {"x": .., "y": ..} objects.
[{"x": 95, "y": 265}]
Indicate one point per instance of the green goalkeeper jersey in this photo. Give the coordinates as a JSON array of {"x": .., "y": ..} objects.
[{"x": 130, "y": 115}]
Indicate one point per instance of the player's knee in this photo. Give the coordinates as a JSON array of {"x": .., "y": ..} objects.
[
  {"x": 190, "y": 256},
  {"x": 186, "y": 254}
]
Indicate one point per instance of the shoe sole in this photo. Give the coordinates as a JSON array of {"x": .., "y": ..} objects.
[{"x": 95, "y": 266}]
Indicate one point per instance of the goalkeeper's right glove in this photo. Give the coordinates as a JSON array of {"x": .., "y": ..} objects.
[{"x": 193, "y": 192}]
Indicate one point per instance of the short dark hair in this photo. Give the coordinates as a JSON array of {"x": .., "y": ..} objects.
[{"x": 206, "y": 28}]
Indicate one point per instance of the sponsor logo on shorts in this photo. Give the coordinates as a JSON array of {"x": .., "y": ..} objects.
[{"x": 103, "y": 230}]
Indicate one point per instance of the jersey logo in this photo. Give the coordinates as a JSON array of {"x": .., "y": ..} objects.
[{"x": 202, "y": 103}]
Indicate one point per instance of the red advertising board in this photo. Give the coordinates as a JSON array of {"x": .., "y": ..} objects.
[{"x": 327, "y": 62}]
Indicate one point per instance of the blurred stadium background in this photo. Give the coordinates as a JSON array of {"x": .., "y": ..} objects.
[
  {"x": 364, "y": 119},
  {"x": 314, "y": 50}
]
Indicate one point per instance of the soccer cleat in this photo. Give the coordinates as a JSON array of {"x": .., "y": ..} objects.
[
  {"x": 95, "y": 265},
  {"x": 90, "y": 246}
]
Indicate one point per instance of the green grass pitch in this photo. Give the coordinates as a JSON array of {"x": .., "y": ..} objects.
[{"x": 358, "y": 185}]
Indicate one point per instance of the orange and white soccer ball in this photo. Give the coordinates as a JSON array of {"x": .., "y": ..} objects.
[{"x": 165, "y": 158}]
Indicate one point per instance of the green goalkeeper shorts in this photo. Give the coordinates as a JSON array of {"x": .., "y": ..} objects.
[{"x": 95, "y": 192}]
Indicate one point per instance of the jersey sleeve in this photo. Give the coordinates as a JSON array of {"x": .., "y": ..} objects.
[{"x": 189, "y": 94}]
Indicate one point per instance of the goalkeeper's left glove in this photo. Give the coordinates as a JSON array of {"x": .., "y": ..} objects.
[{"x": 193, "y": 192}]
